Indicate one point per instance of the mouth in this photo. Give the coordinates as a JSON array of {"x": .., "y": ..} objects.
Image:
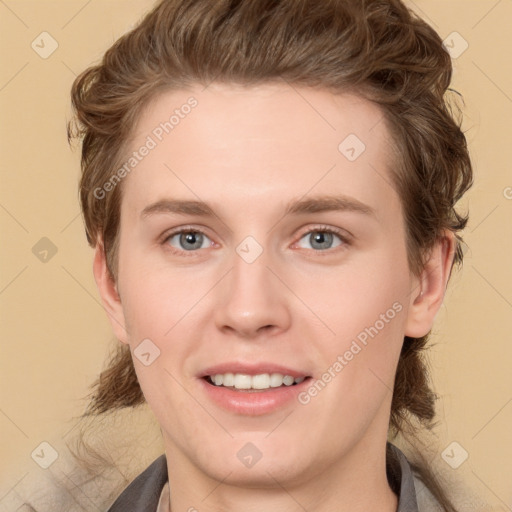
[
  {"x": 253, "y": 388},
  {"x": 253, "y": 383}
]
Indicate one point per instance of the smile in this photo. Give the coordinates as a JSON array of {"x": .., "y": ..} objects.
[{"x": 263, "y": 381}]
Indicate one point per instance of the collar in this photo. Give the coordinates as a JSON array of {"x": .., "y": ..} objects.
[
  {"x": 150, "y": 488},
  {"x": 401, "y": 479}
]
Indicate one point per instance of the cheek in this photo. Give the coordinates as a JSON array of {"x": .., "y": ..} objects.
[
  {"x": 361, "y": 301},
  {"x": 366, "y": 313},
  {"x": 359, "y": 364},
  {"x": 156, "y": 299}
]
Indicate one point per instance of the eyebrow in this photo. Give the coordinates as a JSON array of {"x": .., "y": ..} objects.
[{"x": 295, "y": 207}]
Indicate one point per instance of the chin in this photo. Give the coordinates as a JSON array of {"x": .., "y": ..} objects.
[
  {"x": 264, "y": 474},
  {"x": 253, "y": 461}
]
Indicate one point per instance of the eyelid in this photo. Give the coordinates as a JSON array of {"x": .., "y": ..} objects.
[
  {"x": 324, "y": 227},
  {"x": 344, "y": 236},
  {"x": 178, "y": 230}
]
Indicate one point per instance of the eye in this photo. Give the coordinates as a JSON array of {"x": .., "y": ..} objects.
[
  {"x": 188, "y": 240},
  {"x": 321, "y": 239}
]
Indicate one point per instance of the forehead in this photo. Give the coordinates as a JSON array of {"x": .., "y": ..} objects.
[{"x": 233, "y": 143}]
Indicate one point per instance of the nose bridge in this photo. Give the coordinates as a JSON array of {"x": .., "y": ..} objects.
[{"x": 253, "y": 298}]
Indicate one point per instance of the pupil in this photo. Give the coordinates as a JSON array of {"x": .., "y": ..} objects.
[
  {"x": 322, "y": 239},
  {"x": 191, "y": 240}
]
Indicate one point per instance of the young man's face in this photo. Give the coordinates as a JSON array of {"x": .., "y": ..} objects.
[{"x": 297, "y": 267}]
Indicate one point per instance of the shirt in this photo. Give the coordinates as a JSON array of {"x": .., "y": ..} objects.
[{"x": 150, "y": 488}]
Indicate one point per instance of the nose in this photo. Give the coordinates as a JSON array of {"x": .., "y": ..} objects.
[{"x": 252, "y": 301}]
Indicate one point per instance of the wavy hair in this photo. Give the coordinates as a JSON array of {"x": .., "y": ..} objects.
[{"x": 377, "y": 49}]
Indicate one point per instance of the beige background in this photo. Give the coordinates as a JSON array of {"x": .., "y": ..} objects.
[{"x": 55, "y": 333}]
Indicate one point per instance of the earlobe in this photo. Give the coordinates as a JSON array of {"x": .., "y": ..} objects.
[
  {"x": 108, "y": 290},
  {"x": 428, "y": 289}
]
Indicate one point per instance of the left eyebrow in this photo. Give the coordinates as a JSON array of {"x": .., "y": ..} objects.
[
  {"x": 329, "y": 203},
  {"x": 295, "y": 207}
]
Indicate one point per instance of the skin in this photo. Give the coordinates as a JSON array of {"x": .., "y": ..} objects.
[{"x": 248, "y": 152}]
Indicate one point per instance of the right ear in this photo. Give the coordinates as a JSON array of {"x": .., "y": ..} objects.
[{"x": 108, "y": 292}]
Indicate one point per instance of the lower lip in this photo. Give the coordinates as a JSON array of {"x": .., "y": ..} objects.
[{"x": 253, "y": 403}]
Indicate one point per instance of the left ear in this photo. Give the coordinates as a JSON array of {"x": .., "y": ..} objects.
[{"x": 428, "y": 289}]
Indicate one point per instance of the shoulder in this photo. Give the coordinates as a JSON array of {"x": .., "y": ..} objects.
[
  {"x": 143, "y": 493},
  {"x": 426, "y": 500},
  {"x": 414, "y": 495}
]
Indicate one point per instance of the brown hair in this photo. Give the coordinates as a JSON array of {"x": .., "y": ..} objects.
[{"x": 375, "y": 48}]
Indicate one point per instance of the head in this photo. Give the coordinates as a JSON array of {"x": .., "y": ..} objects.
[{"x": 278, "y": 107}]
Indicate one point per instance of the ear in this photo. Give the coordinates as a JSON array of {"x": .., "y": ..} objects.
[
  {"x": 109, "y": 294},
  {"x": 427, "y": 291}
]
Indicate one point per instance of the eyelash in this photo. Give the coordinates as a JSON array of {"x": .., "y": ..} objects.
[{"x": 345, "y": 239}]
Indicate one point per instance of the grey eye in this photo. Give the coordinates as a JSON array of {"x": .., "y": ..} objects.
[
  {"x": 189, "y": 240},
  {"x": 320, "y": 240}
]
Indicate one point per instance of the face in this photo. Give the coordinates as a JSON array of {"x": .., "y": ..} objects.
[{"x": 261, "y": 245}]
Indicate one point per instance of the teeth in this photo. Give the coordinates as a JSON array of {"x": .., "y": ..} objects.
[
  {"x": 261, "y": 381},
  {"x": 276, "y": 380},
  {"x": 228, "y": 379},
  {"x": 243, "y": 381},
  {"x": 288, "y": 381}
]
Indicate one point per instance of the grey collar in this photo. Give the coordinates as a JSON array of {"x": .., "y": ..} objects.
[
  {"x": 143, "y": 494},
  {"x": 404, "y": 486}
]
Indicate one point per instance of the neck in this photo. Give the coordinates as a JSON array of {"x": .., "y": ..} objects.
[{"x": 358, "y": 483}]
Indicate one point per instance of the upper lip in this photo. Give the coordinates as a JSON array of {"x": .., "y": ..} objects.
[{"x": 251, "y": 369}]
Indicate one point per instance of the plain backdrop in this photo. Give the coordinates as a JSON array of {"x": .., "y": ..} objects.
[{"x": 54, "y": 332}]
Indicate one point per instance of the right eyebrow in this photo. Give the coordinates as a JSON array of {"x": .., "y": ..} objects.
[{"x": 180, "y": 207}]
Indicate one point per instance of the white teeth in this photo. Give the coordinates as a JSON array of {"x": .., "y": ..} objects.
[
  {"x": 276, "y": 380},
  {"x": 261, "y": 381},
  {"x": 229, "y": 379},
  {"x": 243, "y": 381},
  {"x": 288, "y": 381}
]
